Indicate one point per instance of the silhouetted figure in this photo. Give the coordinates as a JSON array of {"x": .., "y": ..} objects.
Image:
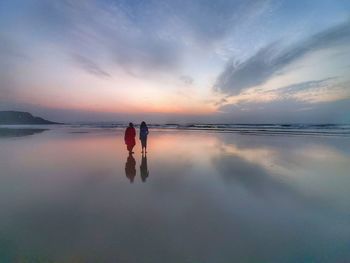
[
  {"x": 129, "y": 137},
  {"x": 143, "y": 168},
  {"x": 143, "y": 135},
  {"x": 130, "y": 168}
]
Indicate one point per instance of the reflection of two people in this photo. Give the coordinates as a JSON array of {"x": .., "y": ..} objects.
[{"x": 130, "y": 168}]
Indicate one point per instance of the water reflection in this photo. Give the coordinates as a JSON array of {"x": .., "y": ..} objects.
[
  {"x": 14, "y": 132},
  {"x": 242, "y": 198},
  {"x": 143, "y": 168},
  {"x": 130, "y": 168}
]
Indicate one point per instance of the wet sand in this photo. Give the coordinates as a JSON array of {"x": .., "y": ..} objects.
[{"x": 74, "y": 195}]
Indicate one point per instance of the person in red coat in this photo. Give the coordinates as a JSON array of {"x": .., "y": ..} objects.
[{"x": 129, "y": 137}]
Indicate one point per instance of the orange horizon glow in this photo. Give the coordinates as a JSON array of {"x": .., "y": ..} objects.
[{"x": 133, "y": 109}]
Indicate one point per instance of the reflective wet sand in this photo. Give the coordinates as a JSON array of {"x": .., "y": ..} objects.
[{"x": 72, "y": 195}]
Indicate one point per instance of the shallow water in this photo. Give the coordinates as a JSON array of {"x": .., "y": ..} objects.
[{"x": 73, "y": 195}]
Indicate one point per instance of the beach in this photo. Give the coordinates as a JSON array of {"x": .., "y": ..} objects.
[{"x": 73, "y": 194}]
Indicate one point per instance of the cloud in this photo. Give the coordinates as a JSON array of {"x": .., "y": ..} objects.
[
  {"x": 306, "y": 85},
  {"x": 141, "y": 36},
  {"x": 207, "y": 21},
  {"x": 324, "y": 101},
  {"x": 312, "y": 91},
  {"x": 10, "y": 50},
  {"x": 90, "y": 66},
  {"x": 271, "y": 59},
  {"x": 287, "y": 110},
  {"x": 188, "y": 80}
]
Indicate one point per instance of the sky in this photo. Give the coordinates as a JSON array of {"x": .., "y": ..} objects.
[{"x": 223, "y": 61}]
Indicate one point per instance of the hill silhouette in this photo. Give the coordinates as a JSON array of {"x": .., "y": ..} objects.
[{"x": 20, "y": 117}]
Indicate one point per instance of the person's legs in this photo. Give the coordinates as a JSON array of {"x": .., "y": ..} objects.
[
  {"x": 144, "y": 143},
  {"x": 130, "y": 147}
]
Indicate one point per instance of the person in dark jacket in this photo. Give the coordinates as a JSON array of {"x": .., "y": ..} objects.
[
  {"x": 129, "y": 137},
  {"x": 143, "y": 135}
]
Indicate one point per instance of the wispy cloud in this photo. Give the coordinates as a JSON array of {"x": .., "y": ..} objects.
[
  {"x": 142, "y": 36},
  {"x": 287, "y": 111},
  {"x": 312, "y": 91},
  {"x": 270, "y": 60},
  {"x": 90, "y": 66},
  {"x": 307, "y": 92}
]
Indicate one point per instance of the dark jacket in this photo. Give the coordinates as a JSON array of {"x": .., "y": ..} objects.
[{"x": 143, "y": 132}]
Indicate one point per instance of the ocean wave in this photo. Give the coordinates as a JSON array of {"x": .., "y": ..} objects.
[{"x": 253, "y": 129}]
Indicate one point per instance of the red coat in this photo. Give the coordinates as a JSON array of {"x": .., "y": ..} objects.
[{"x": 129, "y": 136}]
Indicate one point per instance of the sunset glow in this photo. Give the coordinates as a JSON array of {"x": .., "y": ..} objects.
[{"x": 235, "y": 61}]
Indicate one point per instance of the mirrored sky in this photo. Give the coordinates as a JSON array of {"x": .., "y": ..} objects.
[
  {"x": 199, "y": 60},
  {"x": 72, "y": 195}
]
